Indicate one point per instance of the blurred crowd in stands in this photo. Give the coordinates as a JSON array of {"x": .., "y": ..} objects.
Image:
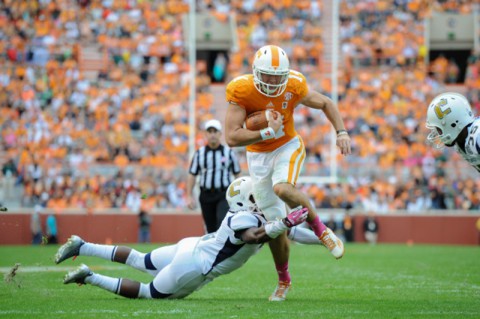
[{"x": 120, "y": 139}]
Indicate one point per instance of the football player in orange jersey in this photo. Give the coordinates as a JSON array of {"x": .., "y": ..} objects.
[{"x": 275, "y": 154}]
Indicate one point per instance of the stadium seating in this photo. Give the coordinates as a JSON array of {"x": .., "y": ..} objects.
[{"x": 82, "y": 139}]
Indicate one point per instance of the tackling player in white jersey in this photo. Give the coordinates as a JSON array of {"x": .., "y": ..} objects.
[
  {"x": 180, "y": 269},
  {"x": 452, "y": 123}
]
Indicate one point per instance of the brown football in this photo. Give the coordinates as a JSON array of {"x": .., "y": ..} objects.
[{"x": 258, "y": 120}]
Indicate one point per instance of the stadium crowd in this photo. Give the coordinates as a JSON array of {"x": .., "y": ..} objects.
[{"x": 70, "y": 140}]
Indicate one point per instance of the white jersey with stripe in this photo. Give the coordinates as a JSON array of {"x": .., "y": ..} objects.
[
  {"x": 472, "y": 145},
  {"x": 224, "y": 251}
]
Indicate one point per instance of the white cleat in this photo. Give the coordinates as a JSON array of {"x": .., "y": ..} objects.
[
  {"x": 70, "y": 249},
  {"x": 78, "y": 275},
  {"x": 280, "y": 292},
  {"x": 333, "y": 243}
]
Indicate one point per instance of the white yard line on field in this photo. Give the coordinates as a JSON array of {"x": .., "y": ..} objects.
[
  {"x": 117, "y": 313},
  {"x": 55, "y": 268}
]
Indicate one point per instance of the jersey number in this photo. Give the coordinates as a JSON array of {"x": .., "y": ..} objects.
[
  {"x": 471, "y": 143},
  {"x": 438, "y": 109}
]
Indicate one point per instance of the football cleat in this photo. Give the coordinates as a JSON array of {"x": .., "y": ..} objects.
[
  {"x": 333, "y": 243},
  {"x": 280, "y": 292},
  {"x": 70, "y": 249},
  {"x": 78, "y": 275}
]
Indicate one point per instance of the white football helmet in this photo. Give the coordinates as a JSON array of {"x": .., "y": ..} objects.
[
  {"x": 447, "y": 116},
  {"x": 271, "y": 69},
  {"x": 240, "y": 195}
]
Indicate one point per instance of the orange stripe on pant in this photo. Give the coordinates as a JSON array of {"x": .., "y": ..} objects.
[
  {"x": 299, "y": 167},
  {"x": 293, "y": 159}
]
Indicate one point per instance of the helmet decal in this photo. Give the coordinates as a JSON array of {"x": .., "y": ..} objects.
[
  {"x": 438, "y": 109},
  {"x": 447, "y": 116},
  {"x": 240, "y": 195}
]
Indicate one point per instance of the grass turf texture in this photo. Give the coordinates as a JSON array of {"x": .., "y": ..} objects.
[{"x": 383, "y": 281}]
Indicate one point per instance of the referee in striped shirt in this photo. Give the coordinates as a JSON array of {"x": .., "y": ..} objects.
[{"x": 215, "y": 163}]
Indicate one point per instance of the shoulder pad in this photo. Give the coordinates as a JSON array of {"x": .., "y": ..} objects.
[
  {"x": 297, "y": 83},
  {"x": 239, "y": 88},
  {"x": 244, "y": 220}
]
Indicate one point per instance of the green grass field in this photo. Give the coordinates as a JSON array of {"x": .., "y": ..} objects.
[{"x": 383, "y": 281}]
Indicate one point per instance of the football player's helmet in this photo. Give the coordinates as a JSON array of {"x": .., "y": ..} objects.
[
  {"x": 447, "y": 115},
  {"x": 271, "y": 69},
  {"x": 240, "y": 195}
]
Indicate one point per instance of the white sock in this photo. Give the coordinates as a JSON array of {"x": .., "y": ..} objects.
[
  {"x": 105, "y": 282},
  {"x": 144, "y": 291},
  {"x": 303, "y": 236},
  {"x": 136, "y": 260},
  {"x": 102, "y": 251}
]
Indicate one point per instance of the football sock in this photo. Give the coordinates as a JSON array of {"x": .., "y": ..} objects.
[
  {"x": 282, "y": 271},
  {"x": 102, "y": 251},
  {"x": 144, "y": 291},
  {"x": 303, "y": 236},
  {"x": 136, "y": 260},
  {"x": 105, "y": 282},
  {"x": 317, "y": 226}
]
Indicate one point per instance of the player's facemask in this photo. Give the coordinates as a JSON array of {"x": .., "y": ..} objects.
[
  {"x": 271, "y": 85},
  {"x": 434, "y": 138}
]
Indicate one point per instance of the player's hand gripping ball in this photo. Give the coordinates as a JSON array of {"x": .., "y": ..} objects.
[{"x": 259, "y": 120}]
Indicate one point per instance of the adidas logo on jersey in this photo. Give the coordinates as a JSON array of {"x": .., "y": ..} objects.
[{"x": 270, "y": 104}]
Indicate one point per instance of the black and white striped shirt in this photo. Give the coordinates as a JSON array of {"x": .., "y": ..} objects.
[{"x": 216, "y": 167}]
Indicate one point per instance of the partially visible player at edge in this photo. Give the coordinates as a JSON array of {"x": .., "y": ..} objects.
[
  {"x": 275, "y": 155},
  {"x": 452, "y": 123},
  {"x": 180, "y": 269}
]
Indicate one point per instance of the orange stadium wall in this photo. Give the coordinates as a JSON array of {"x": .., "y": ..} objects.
[
  {"x": 123, "y": 228},
  {"x": 103, "y": 228},
  {"x": 423, "y": 229}
]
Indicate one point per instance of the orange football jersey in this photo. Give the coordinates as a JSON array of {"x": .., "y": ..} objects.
[{"x": 242, "y": 92}]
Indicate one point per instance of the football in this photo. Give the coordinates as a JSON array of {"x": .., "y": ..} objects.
[{"x": 258, "y": 120}]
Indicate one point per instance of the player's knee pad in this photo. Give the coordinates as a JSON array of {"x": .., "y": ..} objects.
[
  {"x": 263, "y": 193},
  {"x": 271, "y": 206}
]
